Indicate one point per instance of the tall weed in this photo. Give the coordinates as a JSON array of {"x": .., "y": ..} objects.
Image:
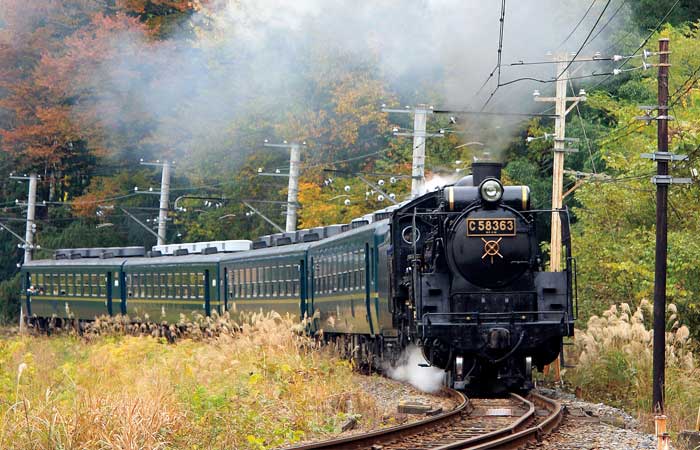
[
  {"x": 258, "y": 385},
  {"x": 614, "y": 364}
]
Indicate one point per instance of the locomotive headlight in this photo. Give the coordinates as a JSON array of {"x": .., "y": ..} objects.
[{"x": 491, "y": 190}]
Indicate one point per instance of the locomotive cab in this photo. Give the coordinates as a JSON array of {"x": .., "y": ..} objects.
[{"x": 477, "y": 298}]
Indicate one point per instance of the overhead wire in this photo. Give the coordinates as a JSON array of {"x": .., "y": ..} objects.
[
  {"x": 585, "y": 41},
  {"x": 570, "y": 62},
  {"x": 573, "y": 30},
  {"x": 656, "y": 28},
  {"x": 690, "y": 82},
  {"x": 583, "y": 130},
  {"x": 483, "y": 85},
  {"x": 612, "y": 17},
  {"x": 692, "y": 79},
  {"x": 500, "y": 53},
  {"x": 553, "y": 80},
  {"x": 500, "y": 39},
  {"x": 534, "y": 63}
]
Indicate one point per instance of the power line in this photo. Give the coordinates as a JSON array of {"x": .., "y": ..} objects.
[
  {"x": 491, "y": 74},
  {"x": 534, "y": 63},
  {"x": 347, "y": 159},
  {"x": 578, "y": 24},
  {"x": 500, "y": 52},
  {"x": 91, "y": 202},
  {"x": 614, "y": 44},
  {"x": 658, "y": 25},
  {"x": 630, "y": 124},
  {"x": 690, "y": 82},
  {"x": 500, "y": 39},
  {"x": 619, "y": 8},
  {"x": 553, "y": 80},
  {"x": 583, "y": 129},
  {"x": 585, "y": 41}
]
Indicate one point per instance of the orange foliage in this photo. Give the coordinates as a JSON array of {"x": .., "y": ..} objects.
[
  {"x": 326, "y": 207},
  {"x": 356, "y": 100},
  {"x": 100, "y": 188},
  {"x": 50, "y": 55}
]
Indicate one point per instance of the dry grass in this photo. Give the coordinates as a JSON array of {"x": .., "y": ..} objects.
[
  {"x": 615, "y": 364},
  {"x": 259, "y": 385}
]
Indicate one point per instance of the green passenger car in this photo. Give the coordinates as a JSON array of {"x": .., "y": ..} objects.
[
  {"x": 343, "y": 282},
  {"x": 267, "y": 279},
  {"x": 160, "y": 289},
  {"x": 81, "y": 288},
  {"x": 340, "y": 281}
]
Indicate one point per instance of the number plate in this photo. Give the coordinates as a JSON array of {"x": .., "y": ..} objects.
[{"x": 491, "y": 227}]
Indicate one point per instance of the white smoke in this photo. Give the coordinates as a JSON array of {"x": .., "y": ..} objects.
[
  {"x": 412, "y": 369},
  {"x": 262, "y": 62},
  {"x": 438, "y": 181}
]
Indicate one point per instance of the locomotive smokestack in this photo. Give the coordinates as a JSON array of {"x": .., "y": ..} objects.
[{"x": 485, "y": 169}]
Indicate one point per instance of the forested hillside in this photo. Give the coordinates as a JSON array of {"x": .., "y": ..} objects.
[{"x": 90, "y": 88}]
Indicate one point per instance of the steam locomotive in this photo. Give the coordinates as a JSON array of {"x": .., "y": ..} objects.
[
  {"x": 456, "y": 271},
  {"x": 468, "y": 282}
]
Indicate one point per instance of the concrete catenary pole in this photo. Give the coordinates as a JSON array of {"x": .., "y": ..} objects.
[
  {"x": 419, "y": 134},
  {"x": 420, "y": 116},
  {"x": 31, "y": 226},
  {"x": 164, "y": 199},
  {"x": 293, "y": 187}
]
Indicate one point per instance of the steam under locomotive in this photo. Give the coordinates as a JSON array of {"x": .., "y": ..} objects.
[{"x": 457, "y": 271}]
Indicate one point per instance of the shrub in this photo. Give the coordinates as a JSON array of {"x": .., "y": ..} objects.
[{"x": 9, "y": 300}]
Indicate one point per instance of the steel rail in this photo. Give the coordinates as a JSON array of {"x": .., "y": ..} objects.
[
  {"x": 513, "y": 436},
  {"x": 368, "y": 439}
]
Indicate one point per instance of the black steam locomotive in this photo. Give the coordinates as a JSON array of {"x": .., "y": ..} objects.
[
  {"x": 457, "y": 271},
  {"x": 469, "y": 285}
]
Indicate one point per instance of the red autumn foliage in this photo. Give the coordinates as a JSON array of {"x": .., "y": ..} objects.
[{"x": 57, "y": 95}]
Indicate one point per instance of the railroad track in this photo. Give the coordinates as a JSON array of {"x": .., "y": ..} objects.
[{"x": 503, "y": 423}]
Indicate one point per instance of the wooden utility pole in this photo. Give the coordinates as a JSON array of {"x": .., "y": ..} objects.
[
  {"x": 560, "y": 101},
  {"x": 662, "y": 180},
  {"x": 659, "y": 363}
]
